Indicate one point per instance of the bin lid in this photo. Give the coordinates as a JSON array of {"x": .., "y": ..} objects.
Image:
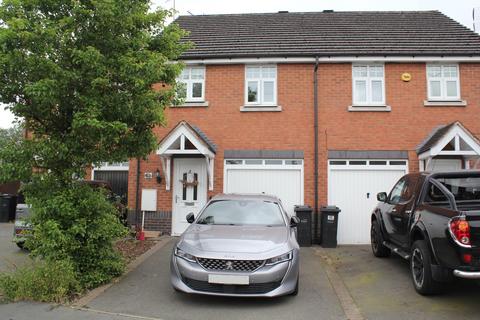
[
  {"x": 330, "y": 209},
  {"x": 302, "y": 208}
]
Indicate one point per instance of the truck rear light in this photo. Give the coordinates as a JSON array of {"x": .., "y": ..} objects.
[
  {"x": 467, "y": 258},
  {"x": 460, "y": 231}
]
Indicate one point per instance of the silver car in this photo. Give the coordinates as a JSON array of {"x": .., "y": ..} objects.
[{"x": 239, "y": 245}]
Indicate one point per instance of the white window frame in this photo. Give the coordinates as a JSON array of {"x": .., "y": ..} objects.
[
  {"x": 260, "y": 86},
  {"x": 368, "y": 79},
  {"x": 189, "y": 84},
  {"x": 443, "y": 82}
]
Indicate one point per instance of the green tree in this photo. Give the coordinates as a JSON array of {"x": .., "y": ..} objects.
[
  {"x": 13, "y": 135},
  {"x": 80, "y": 72}
]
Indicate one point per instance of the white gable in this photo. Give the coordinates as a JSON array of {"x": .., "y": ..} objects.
[
  {"x": 457, "y": 141},
  {"x": 183, "y": 140}
]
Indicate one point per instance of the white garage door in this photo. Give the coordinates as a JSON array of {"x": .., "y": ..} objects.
[
  {"x": 281, "y": 178},
  {"x": 353, "y": 186}
]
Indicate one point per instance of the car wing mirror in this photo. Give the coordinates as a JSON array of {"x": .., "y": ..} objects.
[
  {"x": 190, "y": 217},
  {"x": 294, "y": 221},
  {"x": 382, "y": 196}
]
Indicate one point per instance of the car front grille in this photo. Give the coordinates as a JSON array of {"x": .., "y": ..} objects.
[
  {"x": 230, "y": 265},
  {"x": 253, "y": 288}
]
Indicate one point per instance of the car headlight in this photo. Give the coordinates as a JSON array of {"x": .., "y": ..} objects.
[
  {"x": 182, "y": 254},
  {"x": 278, "y": 259}
]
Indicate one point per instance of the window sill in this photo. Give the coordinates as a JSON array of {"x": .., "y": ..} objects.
[
  {"x": 357, "y": 108},
  {"x": 455, "y": 103},
  {"x": 260, "y": 108},
  {"x": 199, "y": 104}
]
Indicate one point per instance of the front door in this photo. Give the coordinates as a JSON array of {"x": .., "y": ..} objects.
[{"x": 189, "y": 191}]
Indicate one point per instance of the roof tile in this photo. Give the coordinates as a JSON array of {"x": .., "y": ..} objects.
[{"x": 359, "y": 33}]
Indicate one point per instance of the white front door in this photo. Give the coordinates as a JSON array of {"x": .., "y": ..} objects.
[
  {"x": 189, "y": 191},
  {"x": 353, "y": 186}
]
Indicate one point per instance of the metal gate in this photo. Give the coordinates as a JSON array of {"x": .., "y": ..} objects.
[{"x": 117, "y": 179}]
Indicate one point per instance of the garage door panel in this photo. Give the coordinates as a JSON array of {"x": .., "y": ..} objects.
[
  {"x": 354, "y": 192},
  {"x": 283, "y": 183}
]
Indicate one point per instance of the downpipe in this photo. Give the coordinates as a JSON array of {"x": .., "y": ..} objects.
[{"x": 315, "y": 126}]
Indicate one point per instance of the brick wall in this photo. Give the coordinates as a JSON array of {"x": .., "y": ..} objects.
[{"x": 403, "y": 128}]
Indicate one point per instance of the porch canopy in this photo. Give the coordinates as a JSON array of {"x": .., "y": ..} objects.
[
  {"x": 452, "y": 141},
  {"x": 184, "y": 140}
]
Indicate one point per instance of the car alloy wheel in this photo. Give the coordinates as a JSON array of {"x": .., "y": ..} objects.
[{"x": 418, "y": 270}]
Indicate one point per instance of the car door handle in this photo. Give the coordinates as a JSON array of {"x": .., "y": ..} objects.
[
  {"x": 408, "y": 211},
  {"x": 394, "y": 210}
]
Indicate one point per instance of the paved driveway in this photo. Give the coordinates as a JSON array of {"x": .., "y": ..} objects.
[
  {"x": 334, "y": 283},
  {"x": 10, "y": 255},
  {"x": 382, "y": 288},
  {"x": 147, "y": 292}
]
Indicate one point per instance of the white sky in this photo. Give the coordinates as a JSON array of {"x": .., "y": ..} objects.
[{"x": 460, "y": 10}]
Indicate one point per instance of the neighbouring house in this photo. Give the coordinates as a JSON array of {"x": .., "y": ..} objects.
[
  {"x": 116, "y": 174},
  {"x": 317, "y": 108}
]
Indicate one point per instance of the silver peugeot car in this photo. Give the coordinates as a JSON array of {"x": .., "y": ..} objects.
[{"x": 238, "y": 245}]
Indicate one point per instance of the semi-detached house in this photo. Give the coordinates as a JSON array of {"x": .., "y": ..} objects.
[{"x": 316, "y": 108}]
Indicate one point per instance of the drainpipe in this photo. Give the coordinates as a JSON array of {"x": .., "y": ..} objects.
[
  {"x": 315, "y": 126},
  {"x": 137, "y": 191}
]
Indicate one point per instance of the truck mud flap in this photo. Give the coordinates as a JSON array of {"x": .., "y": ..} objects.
[{"x": 441, "y": 274}]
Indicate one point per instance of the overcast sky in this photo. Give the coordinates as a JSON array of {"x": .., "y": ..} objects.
[{"x": 460, "y": 10}]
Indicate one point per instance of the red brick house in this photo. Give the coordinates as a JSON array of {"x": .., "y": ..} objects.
[{"x": 316, "y": 108}]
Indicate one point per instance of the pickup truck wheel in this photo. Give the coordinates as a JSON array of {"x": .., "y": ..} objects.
[
  {"x": 420, "y": 267},
  {"x": 376, "y": 237}
]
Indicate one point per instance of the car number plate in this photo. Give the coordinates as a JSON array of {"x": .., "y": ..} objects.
[{"x": 228, "y": 279}]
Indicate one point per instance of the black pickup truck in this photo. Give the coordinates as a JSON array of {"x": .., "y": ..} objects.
[{"x": 432, "y": 220}]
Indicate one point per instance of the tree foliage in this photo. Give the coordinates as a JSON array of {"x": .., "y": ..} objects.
[
  {"x": 80, "y": 74},
  {"x": 9, "y": 136}
]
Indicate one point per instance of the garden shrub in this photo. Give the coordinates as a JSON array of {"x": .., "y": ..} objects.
[
  {"x": 76, "y": 222},
  {"x": 52, "y": 281}
]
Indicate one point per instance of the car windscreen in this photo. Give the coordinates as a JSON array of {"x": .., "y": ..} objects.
[{"x": 242, "y": 212}]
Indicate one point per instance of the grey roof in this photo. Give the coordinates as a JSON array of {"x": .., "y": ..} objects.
[
  {"x": 263, "y": 154},
  {"x": 434, "y": 137},
  {"x": 359, "y": 33},
  {"x": 211, "y": 145},
  {"x": 367, "y": 154}
]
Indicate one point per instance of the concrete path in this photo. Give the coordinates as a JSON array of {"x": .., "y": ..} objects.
[
  {"x": 40, "y": 311},
  {"x": 10, "y": 255}
]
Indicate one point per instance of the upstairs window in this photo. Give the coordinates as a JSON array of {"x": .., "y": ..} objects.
[
  {"x": 443, "y": 82},
  {"x": 368, "y": 85},
  {"x": 191, "y": 84},
  {"x": 261, "y": 85}
]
